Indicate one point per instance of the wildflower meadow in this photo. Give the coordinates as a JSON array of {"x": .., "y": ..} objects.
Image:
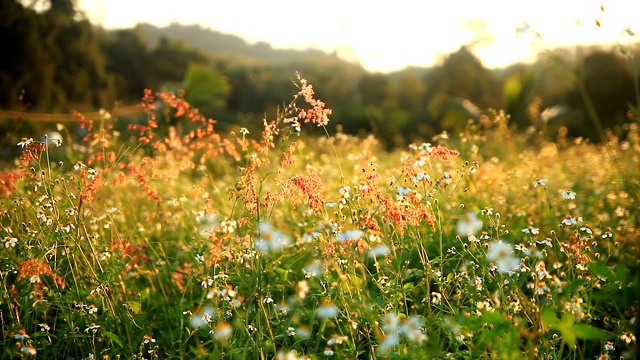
[{"x": 168, "y": 239}]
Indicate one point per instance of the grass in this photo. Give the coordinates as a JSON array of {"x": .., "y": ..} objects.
[{"x": 182, "y": 242}]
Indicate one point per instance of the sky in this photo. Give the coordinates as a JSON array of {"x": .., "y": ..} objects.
[{"x": 389, "y": 35}]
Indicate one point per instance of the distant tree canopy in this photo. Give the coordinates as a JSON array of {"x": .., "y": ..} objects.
[
  {"x": 608, "y": 81},
  {"x": 53, "y": 60}
]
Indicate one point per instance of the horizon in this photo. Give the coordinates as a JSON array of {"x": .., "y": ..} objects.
[{"x": 431, "y": 33}]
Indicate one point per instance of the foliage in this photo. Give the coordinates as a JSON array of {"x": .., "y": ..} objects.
[
  {"x": 55, "y": 61},
  {"x": 194, "y": 243}
]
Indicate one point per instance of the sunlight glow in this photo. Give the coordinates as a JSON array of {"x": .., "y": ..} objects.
[{"x": 386, "y": 36}]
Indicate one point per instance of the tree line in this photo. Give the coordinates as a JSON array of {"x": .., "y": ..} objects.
[{"x": 54, "y": 61}]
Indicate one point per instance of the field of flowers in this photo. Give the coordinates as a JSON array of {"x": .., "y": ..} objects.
[{"x": 183, "y": 242}]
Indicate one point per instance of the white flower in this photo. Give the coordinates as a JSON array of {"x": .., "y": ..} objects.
[
  {"x": 9, "y": 241},
  {"x": 296, "y": 125},
  {"x": 380, "y": 250},
  {"x": 303, "y": 332},
  {"x": 541, "y": 182},
  {"x": 228, "y": 226},
  {"x": 354, "y": 234},
  {"x": 173, "y": 202},
  {"x": 25, "y": 142},
  {"x": 412, "y": 328},
  {"x": 402, "y": 191},
  {"x": 393, "y": 328},
  {"x": 291, "y": 331},
  {"x": 93, "y": 327},
  {"x": 336, "y": 339},
  {"x": 291, "y": 355},
  {"x": 501, "y": 254},
  {"x": 270, "y": 240},
  {"x": 206, "y": 223},
  {"x": 222, "y": 331},
  {"x": 302, "y": 288},
  {"x": 389, "y": 342},
  {"x": 92, "y": 173},
  {"x": 66, "y": 228},
  {"x": 208, "y": 282},
  {"x": 310, "y": 235},
  {"x": 53, "y": 137},
  {"x": 568, "y": 221},
  {"x": 327, "y": 311},
  {"x": 487, "y": 211},
  {"x": 436, "y": 298},
  {"x": 421, "y": 176},
  {"x": 344, "y": 193},
  {"x": 568, "y": 195},
  {"x": 546, "y": 242},
  {"x": 202, "y": 318},
  {"x": 586, "y": 229},
  {"x": 28, "y": 349},
  {"x": 531, "y": 230},
  {"x": 469, "y": 224},
  {"x": 446, "y": 177},
  {"x": 21, "y": 335},
  {"x": 313, "y": 269}
]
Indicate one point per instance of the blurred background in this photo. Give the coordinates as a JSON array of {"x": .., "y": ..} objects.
[{"x": 403, "y": 70}]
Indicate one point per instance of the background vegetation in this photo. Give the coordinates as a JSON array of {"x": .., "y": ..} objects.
[
  {"x": 265, "y": 226},
  {"x": 55, "y": 61}
]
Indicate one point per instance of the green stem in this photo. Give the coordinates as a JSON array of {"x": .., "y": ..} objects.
[{"x": 335, "y": 153}]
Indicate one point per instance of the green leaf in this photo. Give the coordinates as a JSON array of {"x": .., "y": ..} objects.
[
  {"x": 603, "y": 271},
  {"x": 113, "y": 337},
  {"x": 135, "y": 307},
  {"x": 566, "y": 322},
  {"x": 570, "y": 338},
  {"x": 622, "y": 272},
  {"x": 493, "y": 317},
  {"x": 282, "y": 273},
  {"x": 584, "y": 331},
  {"x": 573, "y": 285},
  {"x": 549, "y": 318}
]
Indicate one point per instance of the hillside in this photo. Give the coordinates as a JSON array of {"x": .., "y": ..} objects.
[{"x": 222, "y": 44}]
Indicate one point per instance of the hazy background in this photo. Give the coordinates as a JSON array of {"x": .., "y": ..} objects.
[
  {"x": 387, "y": 35},
  {"x": 403, "y": 70}
]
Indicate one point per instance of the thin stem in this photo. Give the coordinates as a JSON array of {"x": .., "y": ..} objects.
[{"x": 335, "y": 153}]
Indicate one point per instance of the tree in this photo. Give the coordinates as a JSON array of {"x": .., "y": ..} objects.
[
  {"x": 205, "y": 89},
  {"x": 608, "y": 82},
  {"x": 460, "y": 82},
  {"x": 128, "y": 60},
  {"x": 170, "y": 61},
  {"x": 519, "y": 92},
  {"x": 52, "y": 60}
]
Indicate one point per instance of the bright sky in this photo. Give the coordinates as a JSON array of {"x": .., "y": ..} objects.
[{"x": 389, "y": 35}]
